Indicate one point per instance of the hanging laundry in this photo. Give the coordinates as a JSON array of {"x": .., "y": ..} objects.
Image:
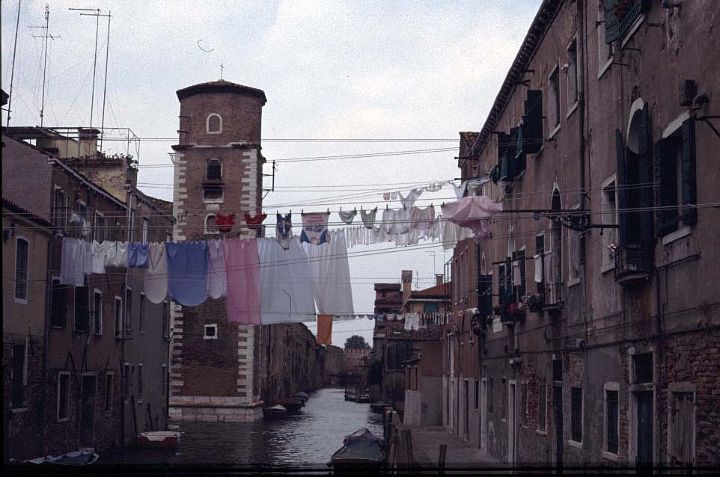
[
  {"x": 386, "y": 195},
  {"x": 283, "y": 231},
  {"x": 225, "y": 222},
  {"x": 394, "y": 195},
  {"x": 117, "y": 255},
  {"x": 412, "y": 196},
  {"x": 400, "y": 222},
  {"x": 387, "y": 219},
  {"x": 242, "y": 267},
  {"x": 315, "y": 227},
  {"x": 368, "y": 217},
  {"x": 156, "y": 283},
  {"x": 331, "y": 275},
  {"x": 138, "y": 254},
  {"x": 422, "y": 219},
  {"x": 255, "y": 222},
  {"x": 459, "y": 190},
  {"x": 187, "y": 272},
  {"x": 347, "y": 217},
  {"x": 475, "y": 185},
  {"x": 217, "y": 281},
  {"x": 434, "y": 186},
  {"x": 538, "y": 268},
  {"x": 412, "y": 321},
  {"x": 286, "y": 283},
  {"x": 473, "y": 212},
  {"x": 517, "y": 277},
  {"x": 324, "y": 329},
  {"x": 99, "y": 255},
  {"x": 72, "y": 262}
]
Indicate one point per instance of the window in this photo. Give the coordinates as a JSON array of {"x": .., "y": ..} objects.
[
  {"x": 109, "y": 378},
  {"x": 210, "y": 332},
  {"x": 128, "y": 310},
  {"x": 63, "y": 397},
  {"x": 118, "y": 314},
  {"x": 213, "y": 124},
  {"x": 675, "y": 180},
  {"x": 126, "y": 379},
  {"x": 503, "y": 398},
  {"x": 141, "y": 324},
  {"x": 518, "y": 278},
  {"x": 59, "y": 304},
  {"x": 99, "y": 229},
  {"x": 82, "y": 309},
  {"x": 214, "y": 169},
  {"x": 553, "y": 101},
  {"x": 605, "y": 49},
  {"x": 98, "y": 311},
  {"x": 165, "y": 319},
  {"x": 140, "y": 381},
  {"x": 572, "y": 77},
  {"x": 620, "y": 16},
  {"x": 60, "y": 207},
  {"x": 542, "y": 406},
  {"x": 576, "y": 417},
  {"x": 211, "y": 225},
  {"x": 540, "y": 263},
  {"x": 22, "y": 256},
  {"x": 213, "y": 194},
  {"x": 612, "y": 421},
  {"x": 145, "y": 228},
  {"x": 163, "y": 380},
  {"x": 642, "y": 368},
  {"x": 557, "y": 370},
  {"x": 574, "y": 254},
  {"x": 19, "y": 373},
  {"x": 609, "y": 217}
]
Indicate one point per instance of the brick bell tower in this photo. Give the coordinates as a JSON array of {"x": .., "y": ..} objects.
[{"x": 218, "y": 170}]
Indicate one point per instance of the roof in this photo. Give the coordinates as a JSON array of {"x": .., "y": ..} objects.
[
  {"x": 541, "y": 23},
  {"x": 221, "y": 86},
  {"x": 438, "y": 291},
  {"x": 12, "y": 206}
]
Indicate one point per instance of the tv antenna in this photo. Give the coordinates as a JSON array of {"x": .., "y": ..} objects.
[
  {"x": 45, "y": 37},
  {"x": 12, "y": 68}
]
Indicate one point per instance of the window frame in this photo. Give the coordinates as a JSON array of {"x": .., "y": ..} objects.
[
  {"x": 211, "y": 163},
  {"x": 207, "y": 124},
  {"x": 99, "y": 227},
  {"x": 579, "y": 419},
  {"x": 16, "y": 298},
  {"x": 97, "y": 313},
  {"x": 213, "y": 200},
  {"x": 208, "y": 231},
  {"x": 145, "y": 229},
  {"x": 208, "y": 326},
  {"x": 606, "y": 452},
  {"x": 574, "y": 251},
  {"x": 554, "y": 88},
  {"x": 128, "y": 309},
  {"x": 603, "y": 64},
  {"x": 60, "y": 214},
  {"x": 55, "y": 280}
]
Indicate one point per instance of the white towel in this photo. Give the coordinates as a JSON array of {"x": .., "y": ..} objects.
[
  {"x": 156, "y": 283},
  {"x": 538, "y": 268},
  {"x": 217, "y": 276}
]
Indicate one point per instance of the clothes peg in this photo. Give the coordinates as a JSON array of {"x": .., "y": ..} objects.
[
  {"x": 328, "y": 211},
  {"x": 386, "y": 207}
]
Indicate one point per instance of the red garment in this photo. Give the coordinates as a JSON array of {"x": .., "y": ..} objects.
[
  {"x": 225, "y": 222},
  {"x": 254, "y": 222}
]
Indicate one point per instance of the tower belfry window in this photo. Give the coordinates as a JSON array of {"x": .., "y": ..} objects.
[
  {"x": 213, "y": 124},
  {"x": 214, "y": 169}
]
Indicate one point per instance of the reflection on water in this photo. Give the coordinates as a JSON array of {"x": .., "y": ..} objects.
[{"x": 310, "y": 437}]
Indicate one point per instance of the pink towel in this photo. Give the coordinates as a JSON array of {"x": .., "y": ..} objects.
[{"x": 242, "y": 264}]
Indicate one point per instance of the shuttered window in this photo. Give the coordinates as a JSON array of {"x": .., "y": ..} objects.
[
  {"x": 682, "y": 428},
  {"x": 82, "y": 310},
  {"x": 22, "y": 253},
  {"x": 59, "y": 304},
  {"x": 675, "y": 180},
  {"x": 620, "y": 15},
  {"x": 532, "y": 129},
  {"x": 576, "y": 424}
]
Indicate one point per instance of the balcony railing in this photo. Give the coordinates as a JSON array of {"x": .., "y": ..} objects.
[{"x": 633, "y": 264}]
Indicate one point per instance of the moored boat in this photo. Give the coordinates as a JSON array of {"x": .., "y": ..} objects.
[
  {"x": 158, "y": 439},
  {"x": 80, "y": 457},
  {"x": 302, "y": 395},
  {"x": 361, "y": 450},
  {"x": 292, "y": 405},
  {"x": 378, "y": 406},
  {"x": 274, "y": 412}
]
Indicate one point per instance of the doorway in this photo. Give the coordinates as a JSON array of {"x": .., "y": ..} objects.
[
  {"x": 644, "y": 402},
  {"x": 88, "y": 390},
  {"x": 558, "y": 418},
  {"x": 511, "y": 423}
]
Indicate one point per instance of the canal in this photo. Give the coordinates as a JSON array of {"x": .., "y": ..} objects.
[{"x": 309, "y": 438}]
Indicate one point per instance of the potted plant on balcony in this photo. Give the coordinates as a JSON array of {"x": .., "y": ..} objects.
[{"x": 534, "y": 302}]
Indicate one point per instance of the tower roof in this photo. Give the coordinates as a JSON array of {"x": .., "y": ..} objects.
[{"x": 221, "y": 86}]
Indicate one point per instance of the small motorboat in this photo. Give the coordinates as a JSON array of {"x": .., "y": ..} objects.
[
  {"x": 302, "y": 395},
  {"x": 292, "y": 405},
  {"x": 274, "y": 412},
  {"x": 360, "y": 450},
  {"x": 158, "y": 439},
  {"x": 80, "y": 457},
  {"x": 378, "y": 406}
]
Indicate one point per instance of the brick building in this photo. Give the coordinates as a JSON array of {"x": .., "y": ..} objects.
[
  {"x": 600, "y": 342},
  {"x": 218, "y": 170}
]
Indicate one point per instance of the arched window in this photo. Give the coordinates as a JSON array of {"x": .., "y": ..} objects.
[
  {"x": 553, "y": 295},
  {"x": 214, "y": 124},
  {"x": 211, "y": 225},
  {"x": 214, "y": 169}
]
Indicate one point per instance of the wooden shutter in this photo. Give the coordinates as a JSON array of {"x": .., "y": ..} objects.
[
  {"x": 519, "y": 156},
  {"x": 620, "y": 174},
  {"x": 612, "y": 24},
  {"x": 666, "y": 220},
  {"x": 689, "y": 184},
  {"x": 645, "y": 177},
  {"x": 532, "y": 122},
  {"x": 501, "y": 283},
  {"x": 504, "y": 148}
]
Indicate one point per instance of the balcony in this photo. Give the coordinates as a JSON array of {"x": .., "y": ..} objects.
[{"x": 633, "y": 265}]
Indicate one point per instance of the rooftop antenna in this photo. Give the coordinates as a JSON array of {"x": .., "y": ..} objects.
[
  {"x": 45, "y": 36},
  {"x": 221, "y": 70},
  {"x": 97, "y": 28},
  {"x": 12, "y": 68},
  {"x": 107, "y": 55}
]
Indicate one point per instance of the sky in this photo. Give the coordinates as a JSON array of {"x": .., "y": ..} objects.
[{"x": 400, "y": 71}]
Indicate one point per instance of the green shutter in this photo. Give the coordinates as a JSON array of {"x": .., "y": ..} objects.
[
  {"x": 621, "y": 186},
  {"x": 666, "y": 220},
  {"x": 689, "y": 184},
  {"x": 612, "y": 24},
  {"x": 645, "y": 176},
  {"x": 532, "y": 122},
  {"x": 519, "y": 159}
]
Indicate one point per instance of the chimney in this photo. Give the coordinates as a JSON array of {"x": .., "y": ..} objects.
[
  {"x": 439, "y": 278},
  {"x": 406, "y": 284}
]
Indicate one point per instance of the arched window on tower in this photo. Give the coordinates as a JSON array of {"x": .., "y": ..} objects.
[
  {"x": 214, "y": 169},
  {"x": 213, "y": 124},
  {"x": 211, "y": 224}
]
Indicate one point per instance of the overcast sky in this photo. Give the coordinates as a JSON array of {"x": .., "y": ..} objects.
[{"x": 400, "y": 70}]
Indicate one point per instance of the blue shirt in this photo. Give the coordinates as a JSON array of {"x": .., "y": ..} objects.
[{"x": 187, "y": 266}]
